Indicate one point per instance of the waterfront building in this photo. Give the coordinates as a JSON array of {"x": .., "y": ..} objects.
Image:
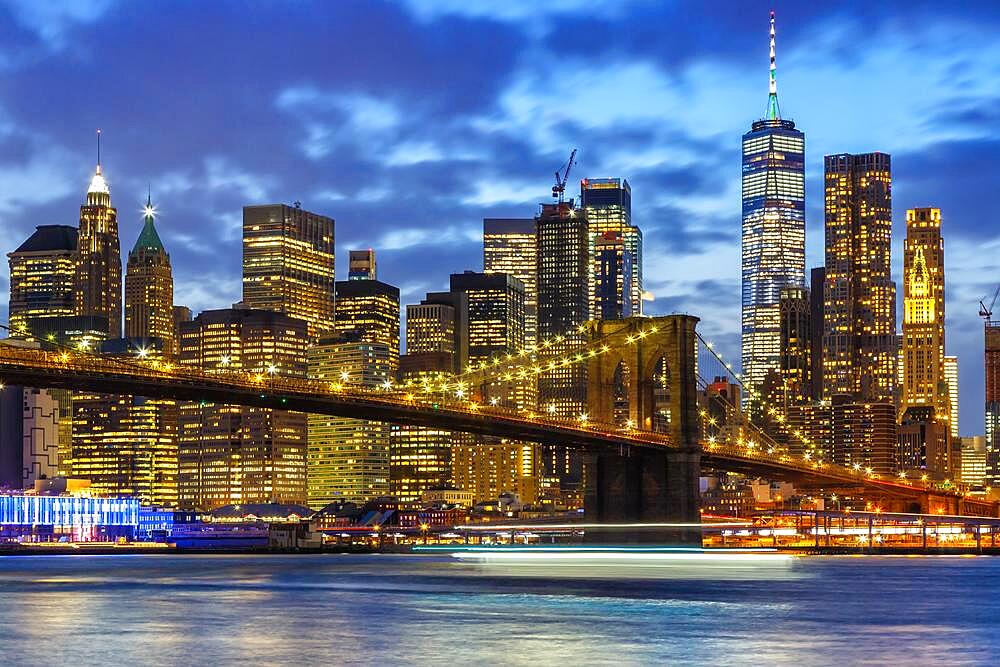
[
  {"x": 348, "y": 459},
  {"x": 42, "y": 278},
  {"x": 78, "y": 518},
  {"x": 361, "y": 265},
  {"x": 288, "y": 263},
  {"x": 859, "y": 342},
  {"x": 29, "y": 436},
  {"x": 489, "y": 469},
  {"x": 773, "y": 232},
  {"x": 607, "y": 204},
  {"x": 127, "y": 445},
  {"x": 510, "y": 245},
  {"x": 98, "y": 282},
  {"x": 972, "y": 468},
  {"x": 149, "y": 287},
  {"x": 232, "y": 454},
  {"x": 368, "y": 311}
]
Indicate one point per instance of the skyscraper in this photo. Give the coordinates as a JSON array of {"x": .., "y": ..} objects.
[
  {"x": 951, "y": 377},
  {"x": 42, "y": 278},
  {"x": 149, "y": 287},
  {"x": 237, "y": 454},
  {"x": 510, "y": 245},
  {"x": 612, "y": 279},
  {"x": 796, "y": 346},
  {"x": 773, "y": 237},
  {"x": 992, "y": 373},
  {"x": 29, "y": 436},
  {"x": 496, "y": 312},
  {"x": 607, "y": 203},
  {"x": 361, "y": 265},
  {"x": 288, "y": 263},
  {"x": 817, "y": 279},
  {"x": 563, "y": 306},
  {"x": 348, "y": 458},
  {"x": 925, "y": 402},
  {"x": 859, "y": 340},
  {"x": 98, "y": 261},
  {"x": 368, "y": 311},
  {"x": 439, "y": 324}
]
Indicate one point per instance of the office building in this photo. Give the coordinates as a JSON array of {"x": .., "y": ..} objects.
[
  {"x": 607, "y": 203},
  {"x": 925, "y": 402},
  {"x": 181, "y": 314},
  {"x": 288, "y": 263},
  {"x": 510, "y": 245},
  {"x": 563, "y": 306},
  {"x": 98, "y": 283},
  {"x": 817, "y": 278},
  {"x": 972, "y": 468},
  {"x": 439, "y": 324},
  {"x": 348, "y": 459},
  {"x": 796, "y": 347},
  {"x": 496, "y": 312},
  {"x": 951, "y": 378},
  {"x": 612, "y": 280},
  {"x": 42, "y": 278},
  {"x": 859, "y": 343},
  {"x": 368, "y": 311},
  {"x": 773, "y": 233},
  {"x": 864, "y": 434},
  {"x": 126, "y": 445},
  {"x": 29, "y": 436},
  {"x": 361, "y": 265},
  {"x": 149, "y": 288},
  {"x": 490, "y": 469},
  {"x": 232, "y": 454}
]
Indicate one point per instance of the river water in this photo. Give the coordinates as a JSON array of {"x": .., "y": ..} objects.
[{"x": 434, "y": 609}]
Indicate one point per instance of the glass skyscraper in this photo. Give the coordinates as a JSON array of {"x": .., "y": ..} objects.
[{"x": 774, "y": 231}]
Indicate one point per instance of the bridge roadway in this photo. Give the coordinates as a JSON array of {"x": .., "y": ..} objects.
[{"x": 91, "y": 373}]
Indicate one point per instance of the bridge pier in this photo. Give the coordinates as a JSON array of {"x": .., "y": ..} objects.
[{"x": 643, "y": 487}]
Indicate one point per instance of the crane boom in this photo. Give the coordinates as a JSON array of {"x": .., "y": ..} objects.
[
  {"x": 986, "y": 312},
  {"x": 559, "y": 189}
]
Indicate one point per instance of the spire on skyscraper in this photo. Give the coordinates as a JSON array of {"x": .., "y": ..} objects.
[
  {"x": 97, "y": 184},
  {"x": 148, "y": 238},
  {"x": 772, "y": 93}
]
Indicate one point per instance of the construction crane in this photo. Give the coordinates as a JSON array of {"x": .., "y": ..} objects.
[
  {"x": 559, "y": 189},
  {"x": 986, "y": 312}
]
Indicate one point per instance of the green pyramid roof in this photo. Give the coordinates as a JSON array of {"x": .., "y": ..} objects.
[{"x": 148, "y": 238}]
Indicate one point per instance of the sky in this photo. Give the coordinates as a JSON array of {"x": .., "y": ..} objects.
[{"x": 410, "y": 121}]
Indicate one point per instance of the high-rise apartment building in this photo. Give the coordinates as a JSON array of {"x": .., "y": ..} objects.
[
  {"x": 288, "y": 263},
  {"x": 237, "y": 454},
  {"x": 368, "y": 311},
  {"x": 98, "y": 284},
  {"x": 348, "y": 458},
  {"x": 42, "y": 278},
  {"x": 361, "y": 265},
  {"x": 773, "y": 234},
  {"x": 149, "y": 288},
  {"x": 607, "y": 203},
  {"x": 859, "y": 342},
  {"x": 864, "y": 434},
  {"x": 510, "y": 245}
]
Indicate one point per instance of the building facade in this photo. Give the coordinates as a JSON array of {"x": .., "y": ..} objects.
[
  {"x": 42, "y": 278},
  {"x": 230, "y": 454},
  {"x": 859, "y": 342},
  {"x": 612, "y": 280},
  {"x": 773, "y": 232},
  {"x": 348, "y": 459},
  {"x": 368, "y": 311},
  {"x": 796, "y": 346},
  {"x": 361, "y": 265},
  {"x": 29, "y": 436},
  {"x": 510, "y": 245},
  {"x": 992, "y": 407},
  {"x": 288, "y": 263}
]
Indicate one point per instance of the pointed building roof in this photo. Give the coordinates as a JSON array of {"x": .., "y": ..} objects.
[
  {"x": 49, "y": 238},
  {"x": 148, "y": 238}
]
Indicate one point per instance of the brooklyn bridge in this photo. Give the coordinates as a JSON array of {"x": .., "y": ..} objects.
[{"x": 638, "y": 466}]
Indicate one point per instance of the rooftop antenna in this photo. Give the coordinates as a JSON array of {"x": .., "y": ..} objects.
[
  {"x": 772, "y": 87},
  {"x": 98, "y": 150}
]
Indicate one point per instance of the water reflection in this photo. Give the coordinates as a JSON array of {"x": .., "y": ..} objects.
[{"x": 337, "y": 609}]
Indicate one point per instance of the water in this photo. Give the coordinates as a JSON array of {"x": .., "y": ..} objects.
[{"x": 433, "y": 610}]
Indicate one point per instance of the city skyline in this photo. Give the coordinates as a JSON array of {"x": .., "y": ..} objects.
[{"x": 687, "y": 213}]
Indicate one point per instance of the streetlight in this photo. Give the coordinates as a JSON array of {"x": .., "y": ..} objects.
[{"x": 423, "y": 529}]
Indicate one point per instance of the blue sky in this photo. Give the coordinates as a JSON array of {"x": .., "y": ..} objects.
[{"x": 409, "y": 122}]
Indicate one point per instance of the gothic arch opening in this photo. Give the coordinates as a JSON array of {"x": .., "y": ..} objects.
[{"x": 661, "y": 381}]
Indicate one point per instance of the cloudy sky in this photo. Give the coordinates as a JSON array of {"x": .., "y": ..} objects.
[{"x": 408, "y": 122}]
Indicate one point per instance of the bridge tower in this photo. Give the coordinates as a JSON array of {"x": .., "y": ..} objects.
[{"x": 648, "y": 381}]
